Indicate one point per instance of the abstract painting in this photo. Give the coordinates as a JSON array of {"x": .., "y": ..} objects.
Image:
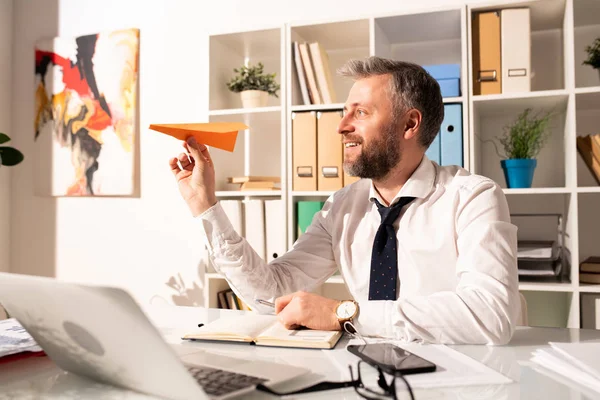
[{"x": 85, "y": 114}]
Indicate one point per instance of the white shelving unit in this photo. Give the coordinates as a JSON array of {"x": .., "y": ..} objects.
[{"x": 560, "y": 29}]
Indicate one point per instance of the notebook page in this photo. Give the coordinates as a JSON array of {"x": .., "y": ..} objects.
[
  {"x": 279, "y": 332},
  {"x": 248, "y": 326}
]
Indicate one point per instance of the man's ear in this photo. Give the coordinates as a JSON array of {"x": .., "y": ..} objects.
[{"x": 412, "y": 124}]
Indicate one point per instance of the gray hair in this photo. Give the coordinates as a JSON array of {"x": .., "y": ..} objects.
[{"x": 410, "y": 87}]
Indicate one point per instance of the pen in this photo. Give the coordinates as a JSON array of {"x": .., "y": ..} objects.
[{"x": 265, "y": 303}]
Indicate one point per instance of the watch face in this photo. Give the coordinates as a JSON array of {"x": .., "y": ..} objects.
[{"x": 346, "y": 310}]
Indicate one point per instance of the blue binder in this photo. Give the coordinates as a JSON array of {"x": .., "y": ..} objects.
[
  {"x": 434, "y": 151},
  {"x": 451, "y": 136}
]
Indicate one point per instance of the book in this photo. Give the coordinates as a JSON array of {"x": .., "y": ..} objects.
[
  {"x": 258, "y": 186},
  {"x": 301, "y": 74},
  {"x": 590, "y": 264},
  {"x": 322, "y": 72},
  {"x": 589, "y": 277},
  {"x": 264, "y": 330},
  {"x": 584, "y": 147}
]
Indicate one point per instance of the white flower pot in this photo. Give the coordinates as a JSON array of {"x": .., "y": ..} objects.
[{"x": 254, "y": 98}]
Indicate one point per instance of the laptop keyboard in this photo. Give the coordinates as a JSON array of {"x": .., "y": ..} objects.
[{"x": 217, "y": 382}]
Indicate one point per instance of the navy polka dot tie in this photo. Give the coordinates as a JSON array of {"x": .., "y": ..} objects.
[{"x": 384, "y": 259}]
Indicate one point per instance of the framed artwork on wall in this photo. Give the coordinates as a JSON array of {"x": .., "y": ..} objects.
[{"x": 86, "y": 114}]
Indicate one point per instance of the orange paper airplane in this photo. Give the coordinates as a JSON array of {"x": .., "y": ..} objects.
[{"x": 215, "y": 134}]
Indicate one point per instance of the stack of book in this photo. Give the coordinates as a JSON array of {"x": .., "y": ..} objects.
[
  {"x": 228, "y": 300},
  {"x": 589, "y": 148},
  {"x": 314, "y": 74},
  {"x": 255, "y": 182},
  {"x": 589, "y": 270}
]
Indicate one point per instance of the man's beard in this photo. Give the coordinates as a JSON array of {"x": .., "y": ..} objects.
[{"x": 377, "y": 159}]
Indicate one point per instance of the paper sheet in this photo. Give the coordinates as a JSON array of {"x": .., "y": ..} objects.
[
  {"x": 222, "y": 135},
  {"x": 15, "y": 339},
  {"x": 453, "y": 368}
]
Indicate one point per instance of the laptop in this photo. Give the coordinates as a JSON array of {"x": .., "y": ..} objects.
[{"x": 101, "y": 333}]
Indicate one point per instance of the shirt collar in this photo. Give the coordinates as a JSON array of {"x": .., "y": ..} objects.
[{"x": 419, "y": 184}]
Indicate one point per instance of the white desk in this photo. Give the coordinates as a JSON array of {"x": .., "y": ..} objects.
[{"x": 36, "y": 378}]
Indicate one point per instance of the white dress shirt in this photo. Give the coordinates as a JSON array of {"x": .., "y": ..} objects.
[{"x": 457, "y": 263}]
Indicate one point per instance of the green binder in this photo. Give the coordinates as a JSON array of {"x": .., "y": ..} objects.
[{"x": 306, "y": 210}]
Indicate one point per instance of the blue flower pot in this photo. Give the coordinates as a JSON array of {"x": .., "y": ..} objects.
[{"x": 518, "y": 172}]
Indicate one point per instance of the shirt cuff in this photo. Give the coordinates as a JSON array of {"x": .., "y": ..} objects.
[
  {"x": 374, "y": 318},
  {"x": 215, "y": 223}
]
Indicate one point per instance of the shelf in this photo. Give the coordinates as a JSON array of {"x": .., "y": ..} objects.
[
  {"x": 537, "y": 190},
  {"x": 545, "y": 287},
  {"x": 315, "y": 193},
  {"x": 591, "y": 189},
  {"x": 591, "y": 89},
  {"x": 238, "y": 193},
  {"x": 237, "y": 111},
  {"x": 500, "y": 104},
  {"x": 319, "y": 107},
  {"x": 589, "y": 288}
]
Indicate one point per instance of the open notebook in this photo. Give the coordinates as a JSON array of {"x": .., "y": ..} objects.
[{"x": 264, "y": 330}]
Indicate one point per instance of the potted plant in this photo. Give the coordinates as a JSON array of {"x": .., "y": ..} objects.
[
  {"x": 522, "y": 141},
  {"x": 253, "y": 85},
  {"x": 593, "y": 52},
  {"x": 9, "y": 156}
]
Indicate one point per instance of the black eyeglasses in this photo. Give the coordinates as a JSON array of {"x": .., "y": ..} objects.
[
  {"x": 375, "y": 386},
  {"x": 366, "y": 384}
]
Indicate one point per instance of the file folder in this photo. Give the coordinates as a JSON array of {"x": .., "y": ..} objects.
[
  {"x": 254, "y": 218},
  {"x": 516, "y": 50},
  {"x": 434, "y": 151},
  {"x": 304, "y": 151},
  {"x": 329, "y": 151},
  {"x": 451, "y": 136},
  {"x": 306, "y": 211},
  {"x": 487, "y": 72},
  {"x": 275, "y": 228}
]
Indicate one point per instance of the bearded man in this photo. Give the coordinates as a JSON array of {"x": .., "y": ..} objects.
[{"x": 427, "y": 252}]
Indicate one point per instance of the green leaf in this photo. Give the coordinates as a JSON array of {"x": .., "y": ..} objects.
[
  {"x": 3, "y": 138},
  {"x": 10, "y": 156}
]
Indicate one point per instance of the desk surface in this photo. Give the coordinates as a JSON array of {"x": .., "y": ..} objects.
[{"x": 41, "y": 378}]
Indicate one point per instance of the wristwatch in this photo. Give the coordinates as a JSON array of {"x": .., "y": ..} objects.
[{"x": 347, "y": 310}]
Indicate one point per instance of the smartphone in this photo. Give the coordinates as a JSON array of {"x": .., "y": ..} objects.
[{"x": 391, "y": 358}]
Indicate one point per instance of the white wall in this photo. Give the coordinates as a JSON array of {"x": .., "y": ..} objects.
[
  {"x": 140, "y": 242},
  {"x": 6, "y": 27}
]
